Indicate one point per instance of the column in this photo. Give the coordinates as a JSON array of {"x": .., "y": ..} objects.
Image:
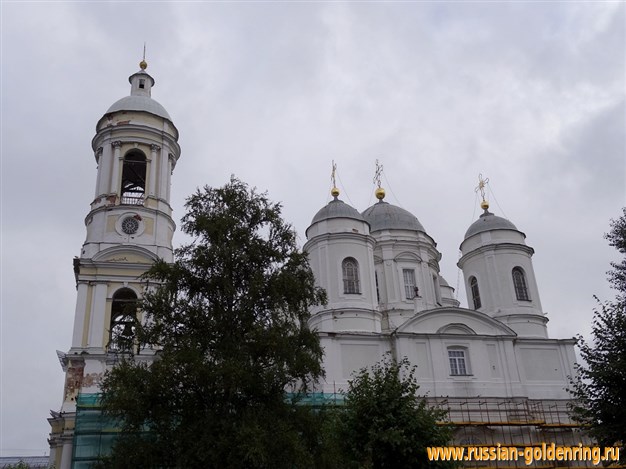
[
  {"x": 79, "y": 316},
  {"x": 98, "y": 310},
  {"x": 66, "y": 456},
  {"x": 153, "y": 169},
  {"x": 163, "y": 174},
  {"x": 114, "y": 189},
  {"x": 104, "y": 171},
  {"x": 168, "y": 177},
  {"x": 99, "y": 173}
]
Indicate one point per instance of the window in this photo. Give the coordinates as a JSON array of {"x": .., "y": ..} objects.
[
  {"x": 133, "y": 178},
  {"x": 142, "y": 84},
  {"x": 475, "y": 293},
  {"x": 519, "y": 282},
  {"x": 458, "y": 363},
  {"x": 350, "y": 269},
  {"x": 437, "y": 289},
  {"x": 409, "y": 283},
  {"x": 377, "y": 290},
  {"x": 123, "y": 318}
]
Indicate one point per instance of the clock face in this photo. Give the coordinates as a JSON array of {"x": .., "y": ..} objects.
[{"x": 130, "y": 225}]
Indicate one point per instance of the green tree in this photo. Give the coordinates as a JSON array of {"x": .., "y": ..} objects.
[
  {"x": 384, "y": 423},
  {"x": 600, "y": 385},
  {"x": 229, "y": 324}
]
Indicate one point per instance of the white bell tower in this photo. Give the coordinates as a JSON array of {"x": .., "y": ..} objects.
[{"x": 129, "y": 226}]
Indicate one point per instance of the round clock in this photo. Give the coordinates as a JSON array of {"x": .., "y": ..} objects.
[{"x": 130, "y": 225}]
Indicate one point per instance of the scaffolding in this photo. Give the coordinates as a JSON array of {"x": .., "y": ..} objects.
[
  {"x": 475, "y": 422},
  {"x": 514, "y": 423}
]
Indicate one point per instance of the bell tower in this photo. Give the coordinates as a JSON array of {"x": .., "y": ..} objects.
[{"x": 129, "y": 226}]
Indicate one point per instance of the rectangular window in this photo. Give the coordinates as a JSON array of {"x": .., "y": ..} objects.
[
  {"x": 458, "y": 365},
  {"x": 409, "y": 283}
]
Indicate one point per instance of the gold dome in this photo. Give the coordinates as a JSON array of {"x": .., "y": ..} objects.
[
  {"x": 484, "y": 205},
  {"x": 380, "y": 193},
  {"x": 334, "y": 192},
  {"x": 143, "y": 65}
]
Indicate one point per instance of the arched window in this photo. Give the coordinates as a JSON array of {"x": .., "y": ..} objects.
[
  {"x": 123, "y": 319},
  {"x": 351, "y": 282},
  {"x": 519, "y": 282},
  {"x": 475, "y": 293},
  {"x": 133, "y": 178}
]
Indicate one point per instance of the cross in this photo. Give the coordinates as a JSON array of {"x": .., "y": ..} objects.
[
  {"x": 378, "y": 173},
  {"x": 481, "y": 186}
]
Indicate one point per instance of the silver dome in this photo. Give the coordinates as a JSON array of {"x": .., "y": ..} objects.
[
  {"x": 384, "y": 216},
  {"x": 337, "y": 209},
  {"x": 139, "y": 103},
  {"x": 487, "y": 222}
]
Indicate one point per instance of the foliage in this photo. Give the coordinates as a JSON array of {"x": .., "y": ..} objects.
[
  {"x": 228, "y": 320},
  {"x": 600, "y": 385},
  {"x": 384, "y": 423}
]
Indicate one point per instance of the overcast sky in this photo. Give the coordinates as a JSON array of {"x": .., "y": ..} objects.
[{"x": 530, "y": 94}]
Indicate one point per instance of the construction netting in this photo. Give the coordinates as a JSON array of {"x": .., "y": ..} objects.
[{"x": 93, "y": 432}]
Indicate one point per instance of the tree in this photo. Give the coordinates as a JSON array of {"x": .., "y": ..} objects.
[
  {"x": 228, "y": 321},
  {"x": 600, "y": 385},
  {"x": 384, "y": 423}
]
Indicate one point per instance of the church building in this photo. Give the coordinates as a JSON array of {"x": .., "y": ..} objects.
[{"x": 492, "y": 366}]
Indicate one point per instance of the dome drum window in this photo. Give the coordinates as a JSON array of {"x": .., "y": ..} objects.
[
  {"x": 475, "y": 292},
  {"x": 410, "y": 288},
  {"x": 351, "y": 283},
  {"x": 519, "y": 283}
]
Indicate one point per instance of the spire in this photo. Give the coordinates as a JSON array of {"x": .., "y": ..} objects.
[
  {"x": 380, "y": 192},
  {"x": 143, "y": 64}
]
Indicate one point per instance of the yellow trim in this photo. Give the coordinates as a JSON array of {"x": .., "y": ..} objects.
[{"x": 111, "y": 220}]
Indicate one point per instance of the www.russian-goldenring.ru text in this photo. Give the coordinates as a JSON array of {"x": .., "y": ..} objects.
[{"x": 528, "y": 454}]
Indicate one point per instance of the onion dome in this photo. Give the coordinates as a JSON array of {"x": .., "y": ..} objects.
[{"x": 487, "y": 222}]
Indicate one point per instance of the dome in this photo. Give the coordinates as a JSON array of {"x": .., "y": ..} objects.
[
  {"x": 337, "y": 209},
  {"x": 487, "y": 222},
  {"x": 139, "y": 103},
  {"x": 384, "y": 216}
]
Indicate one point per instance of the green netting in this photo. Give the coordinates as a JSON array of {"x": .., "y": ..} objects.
[
  {"x": 93, "y": 433},
  {"x": 319, "y": 399}
]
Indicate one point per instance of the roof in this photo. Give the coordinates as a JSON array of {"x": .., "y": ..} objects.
[
  {"x": 487, "y": 222},
  {"x": 139, "y": 103},
  {"x": 34, "y": 462},
  {"x": 384, "y": 216},
  {"x": 337, "y": 209}
]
